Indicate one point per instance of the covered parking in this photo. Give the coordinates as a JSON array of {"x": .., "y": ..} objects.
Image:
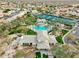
[{"x": 54, "y": 18}]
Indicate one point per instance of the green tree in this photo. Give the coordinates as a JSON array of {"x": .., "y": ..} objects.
[{"x": 6, "y": 10}]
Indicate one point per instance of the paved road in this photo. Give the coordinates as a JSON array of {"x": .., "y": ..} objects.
[
  {"x": 75, "y": 32},
  {"x": 14, "y": 15}
]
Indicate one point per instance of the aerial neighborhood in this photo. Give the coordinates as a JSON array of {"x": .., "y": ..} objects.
[{"x": 39, "y": 29}]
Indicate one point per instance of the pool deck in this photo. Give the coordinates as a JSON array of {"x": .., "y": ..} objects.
[{"x": 40, "y": 28}]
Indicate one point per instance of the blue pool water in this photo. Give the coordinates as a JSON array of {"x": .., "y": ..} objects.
[
  {"x": 54, "y": 18},
  {"x": 40, "y": 28}
]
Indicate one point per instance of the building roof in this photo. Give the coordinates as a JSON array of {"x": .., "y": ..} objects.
[
  {"x": 44, "y": 44},
  {"x": 56, "y": 19},
  {"x": 27, "y": 39}
]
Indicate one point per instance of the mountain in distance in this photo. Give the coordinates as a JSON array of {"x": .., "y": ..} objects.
[{"x": 45, "y": 1}]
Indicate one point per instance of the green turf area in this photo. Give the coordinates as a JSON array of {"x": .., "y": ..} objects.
[
  {"x": 45, "y": 56},
  {"x": 22, "y": 29},
  {"x": 13, "y": 31},
  {"x": 38, "y": 55},
  {"x": 64, "y": 31},
  {"x": 31, "y": 20},
  {"x": 59, "y": 39},
  {"x": 31, "y": 32}
]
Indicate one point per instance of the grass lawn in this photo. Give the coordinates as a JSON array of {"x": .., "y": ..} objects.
[
  {"x": 64, "y": 31},
  {"x": 13, "y": 31},
  {"x": 24, "y": 30},
  {"x": 31, "y": 32},
  {"x": 38, "y": 55},
  {"x": 59, "y": 39},
  {"x": 18, "y": 26},
  {"x": 31, "y": 20},
  {"x": 45, "y": 56}
]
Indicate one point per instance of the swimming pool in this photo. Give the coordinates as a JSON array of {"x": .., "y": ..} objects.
[{"x": 40, "y": 27}]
